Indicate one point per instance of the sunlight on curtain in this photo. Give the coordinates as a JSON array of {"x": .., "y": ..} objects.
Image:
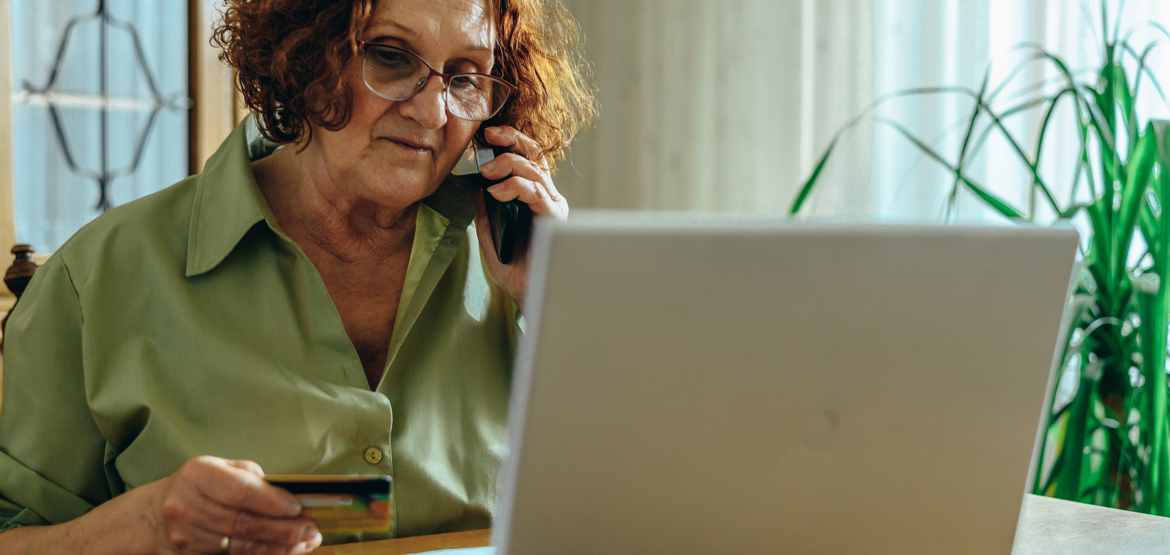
[
  {"x": 708, "y": 104},
  {"x": 929, "y": 43},
  {"x": 683, "y": 92}
]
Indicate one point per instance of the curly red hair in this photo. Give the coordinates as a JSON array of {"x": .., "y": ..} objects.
[{"x": 289, "y": 56}]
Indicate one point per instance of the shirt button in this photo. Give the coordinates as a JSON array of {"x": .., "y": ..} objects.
[{"x": 373, "y": 455}]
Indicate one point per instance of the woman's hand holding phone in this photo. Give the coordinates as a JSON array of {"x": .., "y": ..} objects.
[{"x": 523, "y": 176}]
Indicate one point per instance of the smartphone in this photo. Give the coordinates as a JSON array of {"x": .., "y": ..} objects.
[
  {"x": 341, "y": 503},
  {"x": 510, "y": 222}
]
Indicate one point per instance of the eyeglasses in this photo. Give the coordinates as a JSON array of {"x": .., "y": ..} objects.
[{"x": 395, "y": 74}]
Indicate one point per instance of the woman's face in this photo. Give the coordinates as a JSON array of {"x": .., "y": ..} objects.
[{"x": 395, "y": 153}]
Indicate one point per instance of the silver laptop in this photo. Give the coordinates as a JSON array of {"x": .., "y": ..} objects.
[{"x": 708, "y": 384}]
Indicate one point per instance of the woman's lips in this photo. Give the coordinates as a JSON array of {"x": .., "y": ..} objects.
[{"x": 419, "y": 148}]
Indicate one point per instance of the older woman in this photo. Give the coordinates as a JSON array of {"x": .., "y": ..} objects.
[{"x": 317, "y": 307}]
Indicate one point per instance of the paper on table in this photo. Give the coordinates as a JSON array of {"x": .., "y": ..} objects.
[{"x": 469, "y": 551}]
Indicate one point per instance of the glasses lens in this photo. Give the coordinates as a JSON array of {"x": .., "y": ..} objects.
[
  {"x": 393, "y": 73},
  {"x": 397, "y": 75},
  {"x": 476, "y": 97}
]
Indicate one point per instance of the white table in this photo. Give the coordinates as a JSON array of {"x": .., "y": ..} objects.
[{"x": 1062, "y": 527}]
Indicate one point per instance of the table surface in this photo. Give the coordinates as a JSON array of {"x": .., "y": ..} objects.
[
  {"x": 404, "y": 546},
  {"x": 1047, "y": 526},
  {"x": 1052, "y": 526}
]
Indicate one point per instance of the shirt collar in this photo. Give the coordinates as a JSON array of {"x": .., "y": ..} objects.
[{"x": 228, "y": 202}]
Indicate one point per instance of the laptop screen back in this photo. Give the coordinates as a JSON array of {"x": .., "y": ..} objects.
[{"x": 739, "y": 386}]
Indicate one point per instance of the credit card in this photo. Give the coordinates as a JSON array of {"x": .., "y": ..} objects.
[{"x": 341, "y": 503}]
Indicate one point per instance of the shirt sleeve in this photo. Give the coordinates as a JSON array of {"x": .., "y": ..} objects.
[{"x": 51, "y": 450}]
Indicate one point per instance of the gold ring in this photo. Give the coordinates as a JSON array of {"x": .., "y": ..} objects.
[{"x": 225, "y": 543}]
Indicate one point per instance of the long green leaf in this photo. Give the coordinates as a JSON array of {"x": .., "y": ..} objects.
[
  {"x": 1099, "y": 242},
  {"x": 1068, "y": 483},
  {"x": 987, "y": 131},
  {"x": 1156, "y": 378},
  {"x": 995, "y": 202},
  {"x": 811, "y": 182},
  {"x": 1076, "y": 311},
  {"x": 972, "y": 121},
  {"x": 1011, "y": 76},
  {"x": 998, "y": 123},
  {"x": 1141, "y": 162},
  {"x": 1143, "y": 70},
  {"x": 1149, "y": 226},
  {"x": 1153, "y": 312},
  {"x": 1032, "y": 165},
  {"x": 1037, "y": 181},
  {"x": 1053, "y": 101},
  {"x": 1159, "y": 27},
  {"x": 1104, "y": 103},
  {"x": 956, "y": 183},
  {"x": 1125, "y": 100},
  {"x": 1086, "y": 93}
]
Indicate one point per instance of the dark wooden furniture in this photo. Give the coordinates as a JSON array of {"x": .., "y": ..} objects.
[{"x": 16, "y": 278}]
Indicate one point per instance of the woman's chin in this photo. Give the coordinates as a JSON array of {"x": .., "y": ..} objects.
[
  {"x": 402, "y": 186},
  {"x": 400, "y": 174}
]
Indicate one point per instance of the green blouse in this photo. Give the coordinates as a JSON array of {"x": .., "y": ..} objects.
[{"x": 186, "y": 324}]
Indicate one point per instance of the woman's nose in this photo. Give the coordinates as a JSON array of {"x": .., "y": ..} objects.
[{"x": 429, "y": 106}]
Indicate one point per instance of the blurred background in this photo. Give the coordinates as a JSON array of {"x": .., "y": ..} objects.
[
  {"x": 728, "y": 104},
  {"x": 722, "y": 105}
]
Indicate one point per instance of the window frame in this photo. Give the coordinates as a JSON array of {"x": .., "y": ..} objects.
[{"x": 215, "y": 111}]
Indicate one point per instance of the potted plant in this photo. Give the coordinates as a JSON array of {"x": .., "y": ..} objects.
[{"x": 1106, "y": 438}]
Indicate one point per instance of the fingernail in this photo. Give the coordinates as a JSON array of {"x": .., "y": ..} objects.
[
  {"x": 490, "y": 166},
  {"x": 494, "y": 130},
  {"x": 493, "y": 189},
  {"x": 318, "y": 539},
  {"x": 311, "y": 534},
  {"x": 294, "y": 508}
]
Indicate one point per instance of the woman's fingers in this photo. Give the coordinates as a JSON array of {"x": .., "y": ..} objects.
[
  {"x": 193, "y": 539},
  {"x": 528, "y": 182},
  {"x": 530, "y": 193},
  {"x": 512, "y": 164},
  {"x": 234, "y": 487},
  {"x": 535, "y": 186},
  {"x": 221, "y": 521},
  {"x": 210, "y": 499},
  {"x": 199, "y": 525},
  {"x": 246, "y": 465},
  {"x": 523, "y": 174},
  {"x": 508, "y": 136}
]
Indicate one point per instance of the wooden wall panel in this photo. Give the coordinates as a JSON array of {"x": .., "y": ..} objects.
[
  {"x": 7, "y": 220},
  {"x": 215, "y": 110}
]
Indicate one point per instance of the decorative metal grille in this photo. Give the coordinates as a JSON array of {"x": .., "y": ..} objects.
[{"x": 51, "y": 99}]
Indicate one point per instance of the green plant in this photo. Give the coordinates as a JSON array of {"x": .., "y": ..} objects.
[{"x": 1106, "y": 439}]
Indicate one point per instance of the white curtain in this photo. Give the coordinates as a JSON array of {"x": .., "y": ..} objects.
[{"x": 727, "y": 104}]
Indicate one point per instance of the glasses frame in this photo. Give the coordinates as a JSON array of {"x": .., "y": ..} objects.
[{"x": 444, "y": 78}]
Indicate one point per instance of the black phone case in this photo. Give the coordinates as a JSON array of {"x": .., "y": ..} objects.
[
  {"x": 510, "y": 222},
  {"x": 366, "y": 486}
]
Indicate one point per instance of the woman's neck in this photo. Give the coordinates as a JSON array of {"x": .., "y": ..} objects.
[{"x": 325, "y": 218}]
